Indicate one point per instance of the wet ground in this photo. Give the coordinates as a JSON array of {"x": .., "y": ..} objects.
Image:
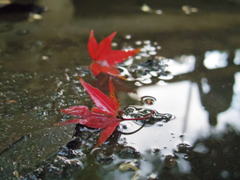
[{"x": 188, "y": 70}]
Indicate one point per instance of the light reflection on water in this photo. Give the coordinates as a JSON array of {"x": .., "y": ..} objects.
[
  {"x": 232, "y": 114},
  {"x": 237, "y": 57},
  {"x": 200, "y": 108},
  {"x": 181, "y": 64},
  {"x": 172, "y": 98},
  {"x": 192, "y": 99},
  {"x": 215, "y": 59}
]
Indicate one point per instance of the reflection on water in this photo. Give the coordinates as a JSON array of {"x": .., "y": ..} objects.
[
  {"x": 237, "y": 57},
  {"x": 182, "y": 64},
  {"x": 201, "y": 105},
  {"x": 172, "y": 98},
  {"x": 232, "y": 113},
  {"x": 215, "y": 59},
  {"x": 218, "y": 93},
  {"x": 41, "y": 60}
]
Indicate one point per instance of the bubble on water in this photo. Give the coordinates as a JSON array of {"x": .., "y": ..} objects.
[
  {"x": 138, "y": 43},
  {"x": 114, "y": 44},
  {"x": 45, "y": 58},
  {"x": 128, "y": 152},
  {"x": 135, "y": 112},
  {"x": 158, "y": 11},
  {"x": 152, "y": 53},
  {"x": 162, "y": 83},
  {"x": 186, "y": 157},
  {"x": 147, "y": 42},
  {"x": 166, "y": 77},
  {"x": 144, "y": 117},
  {"x": 146, "y": 8},
  {"x": 165, "y": 117},
  {"x": 146, "y": 80},
  {"x": 189, "y": 9},
  {"x": 130, "y": 109},
  {"x": 153, "y": 73},
  {"x": 150, "y": 68},
  {"x": 138, "y": 83},
  {"x": 159, "y": 124},
  {"x": 184, "y": 148},
  {"x": 129, "y": 127},
  {"x": 103, "y": 159},
  {"x": 138, "y": 57},
  {"x": 128, "y": 62},
  {"x": 143, "y": 50},
  {"x": 124, "y": 72},
  {"x": 148, "y": 100},
  {"x": 34, "y": 17},
  {"x": 128, "y": 36},
  {"x": 152, "y": 176},
  {"x": 144, "y": 54},
  {"x": 151, "y": 48}
]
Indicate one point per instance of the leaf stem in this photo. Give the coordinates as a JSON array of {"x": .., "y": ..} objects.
[{"x": 129, "y": 133}]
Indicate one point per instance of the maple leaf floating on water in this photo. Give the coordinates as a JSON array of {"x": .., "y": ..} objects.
[
  {"x": 105, "y": 114},
  {"x": 105, "y": 58}
]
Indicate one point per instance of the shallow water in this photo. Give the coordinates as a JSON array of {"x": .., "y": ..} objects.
[{"x": 189, "y": 63}]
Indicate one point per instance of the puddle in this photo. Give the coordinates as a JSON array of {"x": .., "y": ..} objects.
[{"x": 187, "y": 71}]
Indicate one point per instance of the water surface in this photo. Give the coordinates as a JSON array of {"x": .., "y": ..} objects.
[{"x": 195, "y": 47}]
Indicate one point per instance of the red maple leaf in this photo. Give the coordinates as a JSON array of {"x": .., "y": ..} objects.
[
  {"x": 104, "y": 115},
  {"x": 105, "y": 58}
]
